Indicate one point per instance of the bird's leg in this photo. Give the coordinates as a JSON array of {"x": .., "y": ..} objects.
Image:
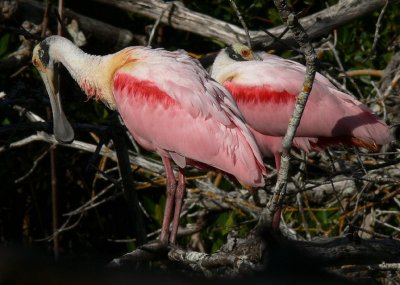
[
  {"x": 169, "y": 205},
  {"x": 180, "y": 192},
  {"x": 277, "y": 157}
]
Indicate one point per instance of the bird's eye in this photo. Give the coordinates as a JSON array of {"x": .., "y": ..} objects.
[
  {"x": 245, "y": 52},
  {"x": 35, "y": 62}
]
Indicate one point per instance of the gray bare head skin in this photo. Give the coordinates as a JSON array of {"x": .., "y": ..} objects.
[{"x": 43, "y": 62}]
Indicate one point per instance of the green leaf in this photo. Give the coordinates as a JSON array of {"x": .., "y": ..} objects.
[
  {"x": 130, "y": 246},
  {"x": 5, "y": 122},
  {"x": 4, "y": 43}
]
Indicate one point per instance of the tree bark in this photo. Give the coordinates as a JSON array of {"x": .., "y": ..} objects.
[
  {"x": 182, "y": 18},
  {"x": 98, "y": 32}
]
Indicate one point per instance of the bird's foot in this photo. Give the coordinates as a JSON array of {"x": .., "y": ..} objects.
[
  {"x": 155, "y": 246},
  {"x": 276, "y": 219}
]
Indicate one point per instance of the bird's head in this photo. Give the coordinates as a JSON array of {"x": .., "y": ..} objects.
[
  {"x": 240, "y": 52},
  {"x": 41, "y": 57},
  {"x": 43, "y": 62}
]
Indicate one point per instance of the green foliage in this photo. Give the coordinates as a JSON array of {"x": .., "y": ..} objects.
[
  {"x": 155, "y": 209},
  {"x": 4, "y": 44}
]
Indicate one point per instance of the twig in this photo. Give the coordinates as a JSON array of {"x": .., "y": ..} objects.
[
  {"x": 153, "y": 30},
  {"x": 61, "y": 15},
  {"x": 378, "y": 26},
  {"x": 35, "y": 163},
  {"x": 45, "y": 21},
  {"x": 65, "y": 227},
  {"x": 301, "y": 37},
  {"x": 362, "y": 72},
  {"x": 278, "y": 39},
  {"x": 392, "y": 85},
  {"x": 188, "y": 230},
  {"x": 223, "y": 199},
  {"x": 341, "y": 68},
  {"x": 360, "y": 162},
  {"x": 92, "y": 202},
  {"x": 303, "y": 217},
  {"x": 388, "y": 225},
  {"x": 380, "y": 100},
  {"x": 152, "y": 165},
  {"x": 239, "y": 15},
  {"x": 374, "y": 267}
]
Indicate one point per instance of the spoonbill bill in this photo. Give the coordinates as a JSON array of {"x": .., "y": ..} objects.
[
  {"x": 265, "y": 88},
  {"x": 169, "y": 104}
]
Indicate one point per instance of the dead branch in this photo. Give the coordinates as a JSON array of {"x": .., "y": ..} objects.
[
  {"x": 214, "y": 198},
  {"x": 302, "y": 39},
  {"x": 182, "y": 18},
  {"x": 340, "y": 251},
  {"x": 152, "y": 165},
  {"x": 238, "y": 256},
  {"x": 362, "y": 72},
  {"x": 391, "y": 90},
  {"x": 202, "y": 262},
  {"x": 128, "y": 186},
  {"x": 106, "y": 35}
]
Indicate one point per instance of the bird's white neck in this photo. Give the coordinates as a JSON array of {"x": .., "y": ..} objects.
[
  {"x": 222, "y": 61},
  {"x": 89, "y": 71}
]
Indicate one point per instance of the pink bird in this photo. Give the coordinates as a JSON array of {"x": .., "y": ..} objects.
[
  {"x": 265, "y": 91},
  {"x": 169, "y": 104}
]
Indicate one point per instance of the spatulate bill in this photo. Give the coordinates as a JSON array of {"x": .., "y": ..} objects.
[{"x": 62, "y": 129}]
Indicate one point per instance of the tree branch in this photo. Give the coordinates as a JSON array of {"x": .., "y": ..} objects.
[
  {"x": 302, "y": 39},
  {"x": 128, "y": 185},
  {"x": 99, "y": 32},
  {"x": 182, "y": 18}
]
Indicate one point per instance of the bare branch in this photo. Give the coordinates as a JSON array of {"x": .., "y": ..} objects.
[
  {"x": 301, "y": 37},
  {"x": 152, "y": 165},
  {"x": 203, "y": 262},
  {"x": 182, "y": 18},
  {"x": 246, "y": 30},
  {"x": 378, "y": 26},
  {"x": 153, "y": 30},
  {"x": 98, "y": 31},
  {"x": 35, "y": 163}
]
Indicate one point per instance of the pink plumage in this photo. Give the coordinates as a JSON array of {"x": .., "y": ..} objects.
[
  {"x": 169, "y": 104},
  {"x": 265, "y": 91}
]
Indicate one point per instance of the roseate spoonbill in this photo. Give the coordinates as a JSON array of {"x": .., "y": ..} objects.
[
  {"x": 265, "y": 88},
  {"x": 169, "y": 104}
]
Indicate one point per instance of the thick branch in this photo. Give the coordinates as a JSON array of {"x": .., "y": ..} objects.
[
  {"x": 305, "y": 45},
  {"x": 184, "y": 19},
  {"x": 129, "y": 186},
  {"x": 106, "y": 152},
  {"x": 280, "y": 254},
  {"x": 341, "y": 251},
  {"x": 99, "y": 32},
  {"x": 202, "y": 261}
]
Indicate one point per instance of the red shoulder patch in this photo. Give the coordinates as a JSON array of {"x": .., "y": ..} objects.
[
  {"x": 264, "y": 94},
  {"x": 145, "y": 89}
]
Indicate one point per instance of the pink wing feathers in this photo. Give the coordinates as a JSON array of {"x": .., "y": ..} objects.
[
  {"x": 266, "y": 90},
  {"x": 172, "y": 106}
]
